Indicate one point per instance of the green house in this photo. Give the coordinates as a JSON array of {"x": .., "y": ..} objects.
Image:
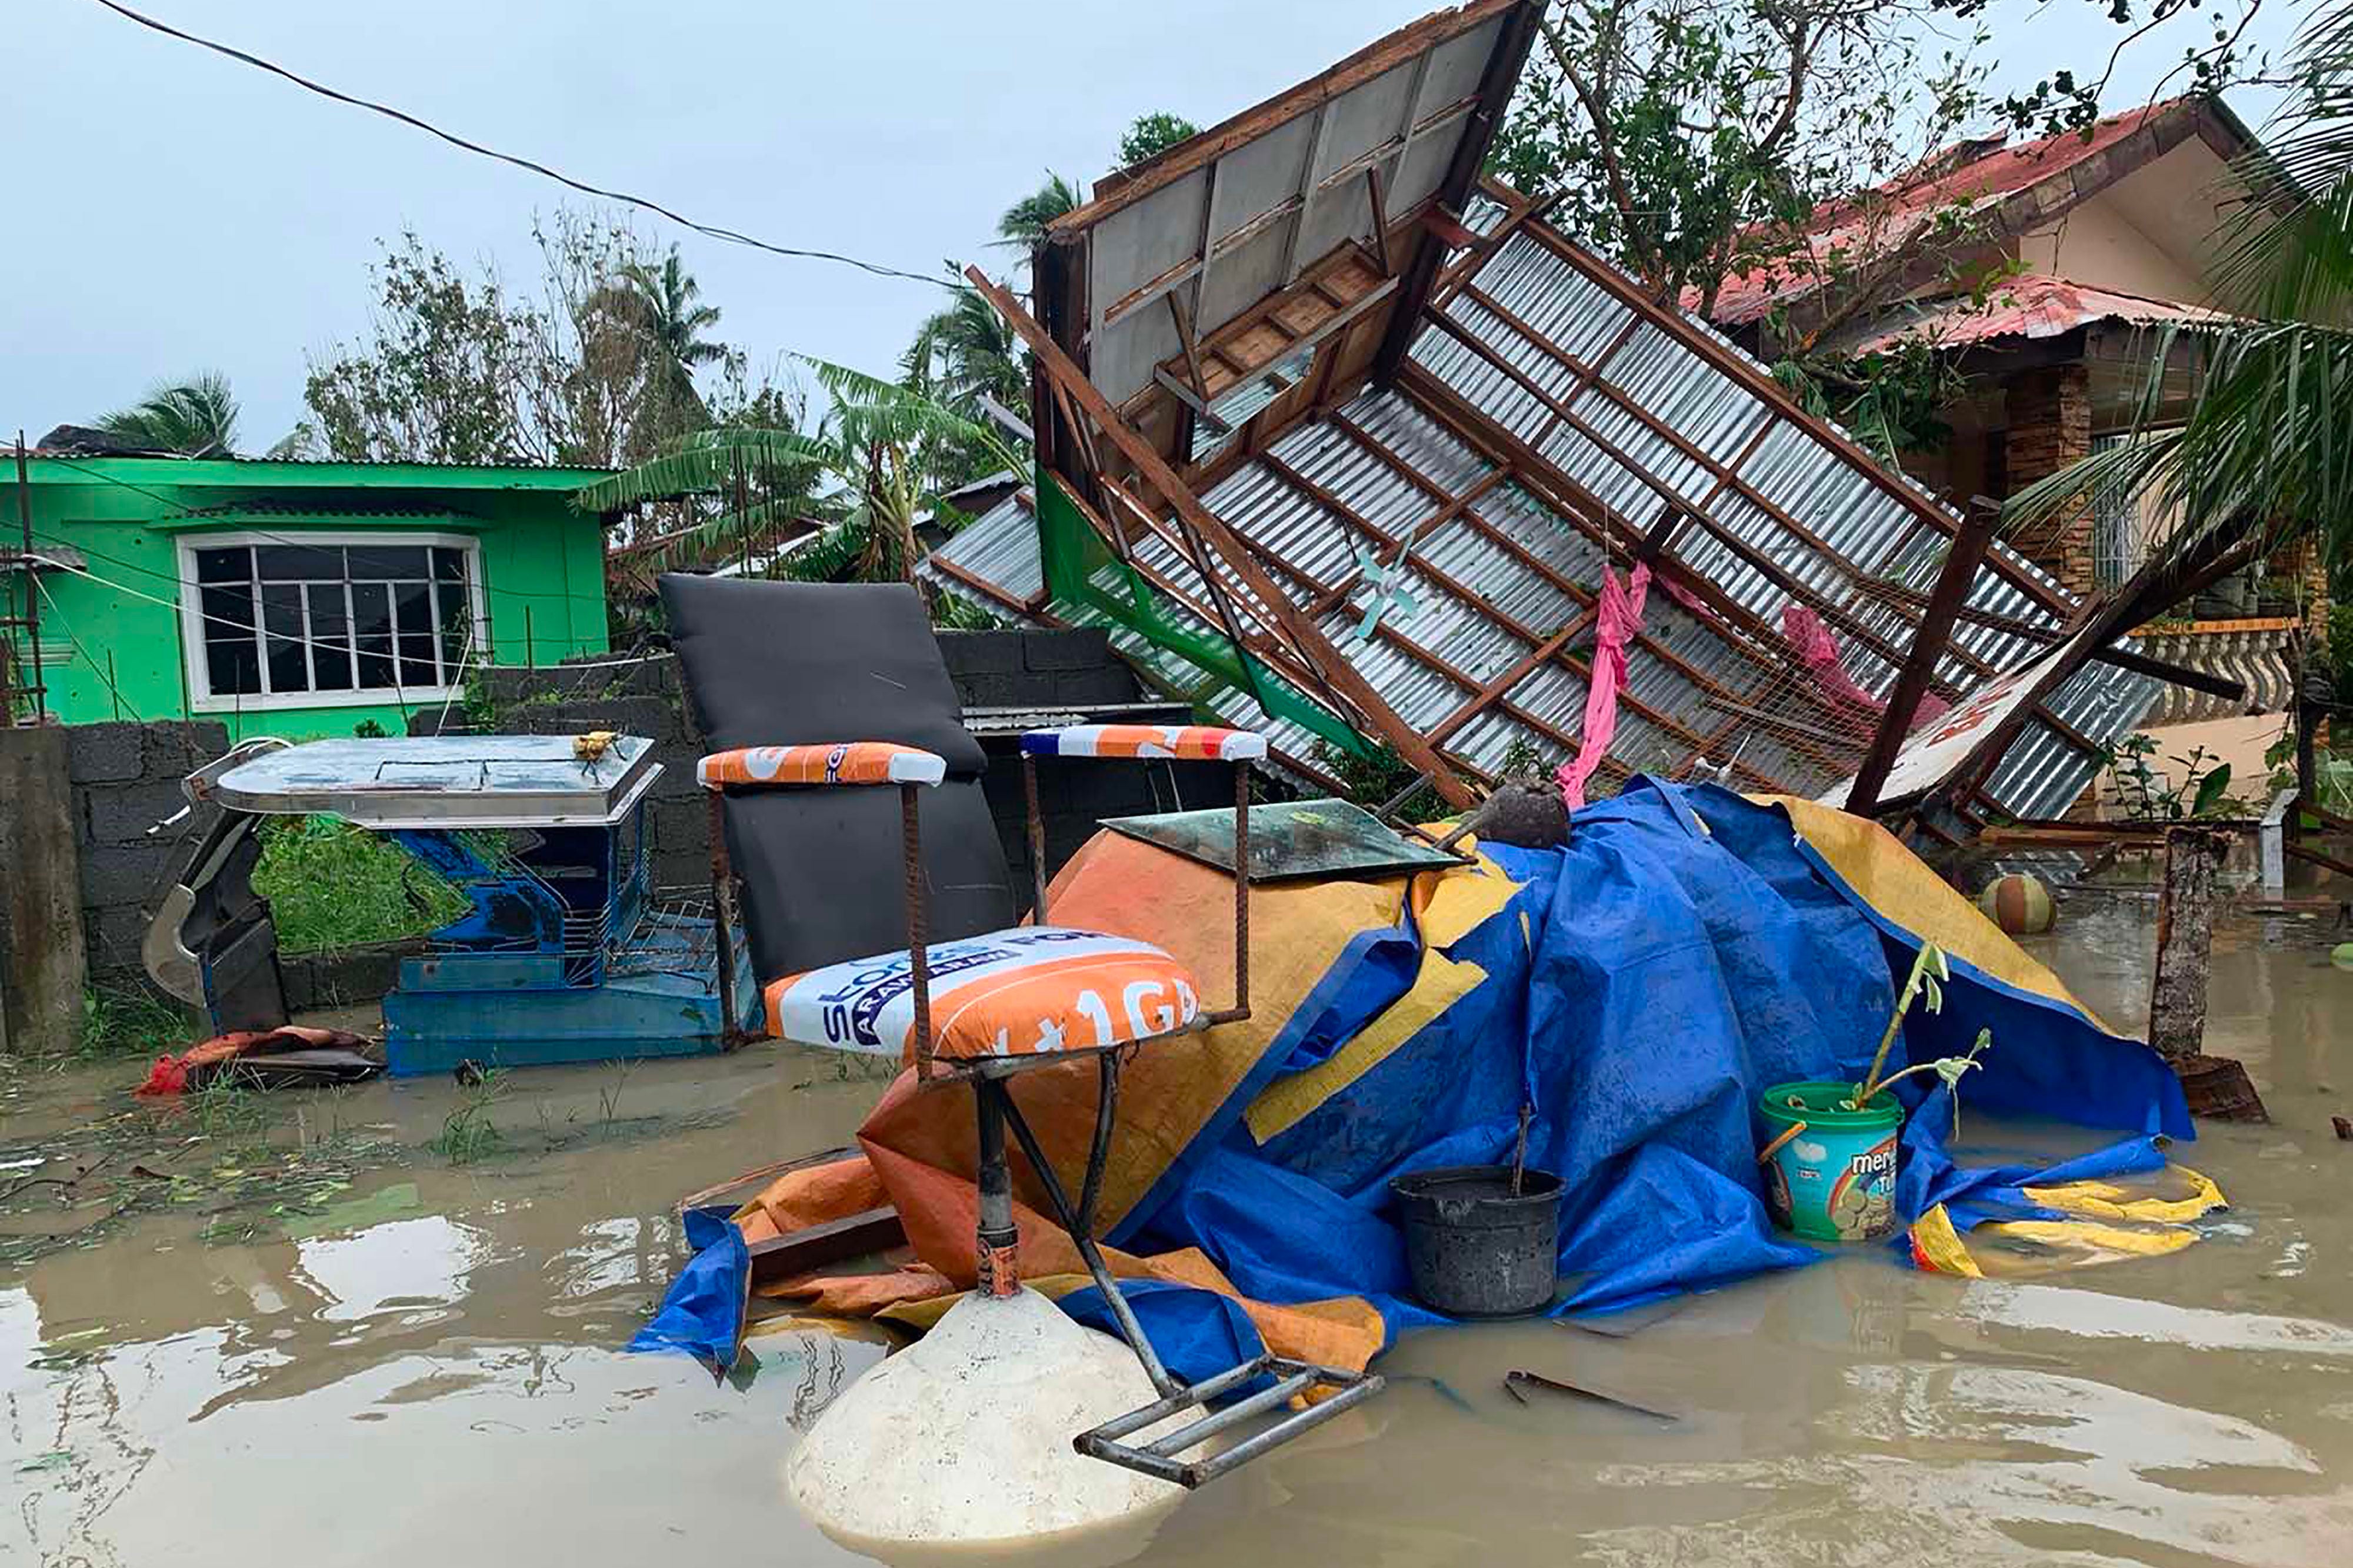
[{"x": 293, "y": 599}]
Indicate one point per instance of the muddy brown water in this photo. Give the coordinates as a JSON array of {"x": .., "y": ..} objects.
[{"x": 427, "y": 1371}]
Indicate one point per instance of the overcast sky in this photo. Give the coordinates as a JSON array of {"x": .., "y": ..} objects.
[{"x": 173, "y": 211}]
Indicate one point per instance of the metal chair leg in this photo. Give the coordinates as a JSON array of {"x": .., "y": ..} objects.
[{"x": 1159, "y": 1457}]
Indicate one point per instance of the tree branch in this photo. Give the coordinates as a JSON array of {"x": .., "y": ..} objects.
[{"x": 1605, "y": 146}]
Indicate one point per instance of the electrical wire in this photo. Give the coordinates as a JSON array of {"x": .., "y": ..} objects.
[
  {"x": 180, "y": 608},
  {"x": 732, "y": 237},
  {"x": 121, "y": 707}
]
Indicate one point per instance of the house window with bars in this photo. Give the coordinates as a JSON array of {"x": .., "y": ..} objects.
[
  {"x": 2125, "y": 526},
  {"x": 318, "y": 621}
]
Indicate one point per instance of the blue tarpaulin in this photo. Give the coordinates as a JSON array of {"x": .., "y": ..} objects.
[{"x": 1640, "y": 989}]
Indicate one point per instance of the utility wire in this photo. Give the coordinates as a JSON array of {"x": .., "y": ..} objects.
[{"x": 732, "y": 237}]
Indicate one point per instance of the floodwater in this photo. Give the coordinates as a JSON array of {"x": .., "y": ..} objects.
[{"x": 419, "y": 1367}]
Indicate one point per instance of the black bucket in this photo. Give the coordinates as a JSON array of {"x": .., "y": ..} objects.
[{"x": 1476, "y": 1250}]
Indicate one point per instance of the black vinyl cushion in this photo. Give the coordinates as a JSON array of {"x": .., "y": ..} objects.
[{"x": 769, "y": 664}]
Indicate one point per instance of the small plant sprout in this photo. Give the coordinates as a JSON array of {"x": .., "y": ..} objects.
[
  {"x": 1948, "y": 1068},
  {"x": 1929, "y": 972}
]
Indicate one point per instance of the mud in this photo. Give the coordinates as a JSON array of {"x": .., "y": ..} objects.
[{"x": 418, "y": 1365}]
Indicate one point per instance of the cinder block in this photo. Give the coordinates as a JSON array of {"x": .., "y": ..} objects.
[
  {"x": 980, "y": 653},
  {"x": 650, "y": 717},
  {"x": 121, "y": 813},
  {"x": 354, "y": 975},
  {"x": 1113, "y": 683},
  {"x": 103, "y": 753},
  {"x": 996, "y": 690},
  {"x": 656, "y": 676},
  {"x": 174, "y": 748},
  {"x": 300, "y": 978},
  {"x": 114, "y": 874},
  {"x": 114, "y": 936},
  {"x": 682, "y": 828},
  {"x": 1075, "y": 648}
]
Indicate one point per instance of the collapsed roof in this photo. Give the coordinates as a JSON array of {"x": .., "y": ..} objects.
[{"x": 1341, "y": 444}]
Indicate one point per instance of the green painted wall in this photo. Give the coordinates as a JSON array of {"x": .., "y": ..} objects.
[{"x": 112, "y": 651}]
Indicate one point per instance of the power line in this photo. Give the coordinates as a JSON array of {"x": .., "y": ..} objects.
[{"x": 733, "y": 237}]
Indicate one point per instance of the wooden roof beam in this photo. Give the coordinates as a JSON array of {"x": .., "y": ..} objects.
[
  {"x": 1505, "y": 62},
  {"x": 1154, "y": 471}
]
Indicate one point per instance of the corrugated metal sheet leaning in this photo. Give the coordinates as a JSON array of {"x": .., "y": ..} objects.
[
  {"x": 999, "y": 548},
  {"x": 1471, "y": 602}
]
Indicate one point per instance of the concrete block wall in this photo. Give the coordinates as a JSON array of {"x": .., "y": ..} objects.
[
  {"x": 1014, "y": 668},
  {"x": 1066, "y": 669},
  {"x": 632, "y": 697},
  {"x": 126, "y": 778}
]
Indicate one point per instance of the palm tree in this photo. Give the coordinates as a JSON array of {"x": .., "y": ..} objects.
[
  {"x": 665, "y": 304},
  {"x": 1024, "y": 223},
  {"x": 964, "y": 353},
  {"x": 870, "y": 466},
  {"x": 193, "y": 419},
  {"x": 2266, "y": 438}
]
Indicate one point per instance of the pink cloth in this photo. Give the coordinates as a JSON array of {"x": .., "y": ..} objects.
[
  {"x": 1618, "y": 618},
  {"x": 1818, "y": 651}
]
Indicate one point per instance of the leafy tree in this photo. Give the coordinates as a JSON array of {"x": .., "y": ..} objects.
[
  {"x": 1153, "y": 135},
  {"x": 193, "y": 419},
  {"x": 594, "y": 368},
  {"x": 2261, "y": 441},
  {"x": 1704, "y": 141},
  {"x": 867, "y": 472},
  {"x": 963, "y": 354}
]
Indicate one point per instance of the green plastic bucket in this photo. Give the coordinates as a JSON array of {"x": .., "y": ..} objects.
[{"x": 1836, "y": 1179}]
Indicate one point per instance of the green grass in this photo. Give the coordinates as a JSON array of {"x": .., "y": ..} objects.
[
  {"x": 331, "y": 885},
  {"x": 467, "y": 1133},
  {"x": 135, "y": 1022}
]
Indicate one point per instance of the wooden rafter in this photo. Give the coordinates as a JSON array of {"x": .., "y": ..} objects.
[
  {"x": 1505, "y": 62},
  {"x": 1154, "y": 471}
]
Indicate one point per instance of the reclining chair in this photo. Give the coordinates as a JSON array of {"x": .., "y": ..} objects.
[{"x": 822, "y": 704}]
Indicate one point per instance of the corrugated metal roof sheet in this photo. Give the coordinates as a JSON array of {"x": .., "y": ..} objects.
[
  {"x": 1633, "y": 412},
  {"x": 2034, "y": 306}
]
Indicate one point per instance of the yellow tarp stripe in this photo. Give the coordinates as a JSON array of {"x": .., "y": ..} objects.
[
  {"x": 1447, "y": 907},
  {"x": 2153, "y": 1242},
  {"x": 2105, "y": 1200},
  {"x": 1938, "y": 1247},
  {"x": 1902, "y": 888},
  {"x": 1287, "y": 1101}
]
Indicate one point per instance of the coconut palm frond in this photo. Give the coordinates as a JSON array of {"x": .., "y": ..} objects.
[
  {"x": 194, "y": 418},
  {"x": 711, "y": 462},
  {"x": 1024, "y": 223},
  {"x": 2266, "y": 438},
  {"x": 965, "y": 352}
]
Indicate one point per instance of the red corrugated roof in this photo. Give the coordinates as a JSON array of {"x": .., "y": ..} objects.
[
  {"x": 2034, "y": 306},
  {"x": 1890, "y": 217}
]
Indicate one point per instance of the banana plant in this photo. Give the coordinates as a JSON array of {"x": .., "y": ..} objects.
[{"x": 860, "y": 482}]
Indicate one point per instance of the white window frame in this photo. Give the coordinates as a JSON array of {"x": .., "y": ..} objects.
[{"x": 201, "y": 697}]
